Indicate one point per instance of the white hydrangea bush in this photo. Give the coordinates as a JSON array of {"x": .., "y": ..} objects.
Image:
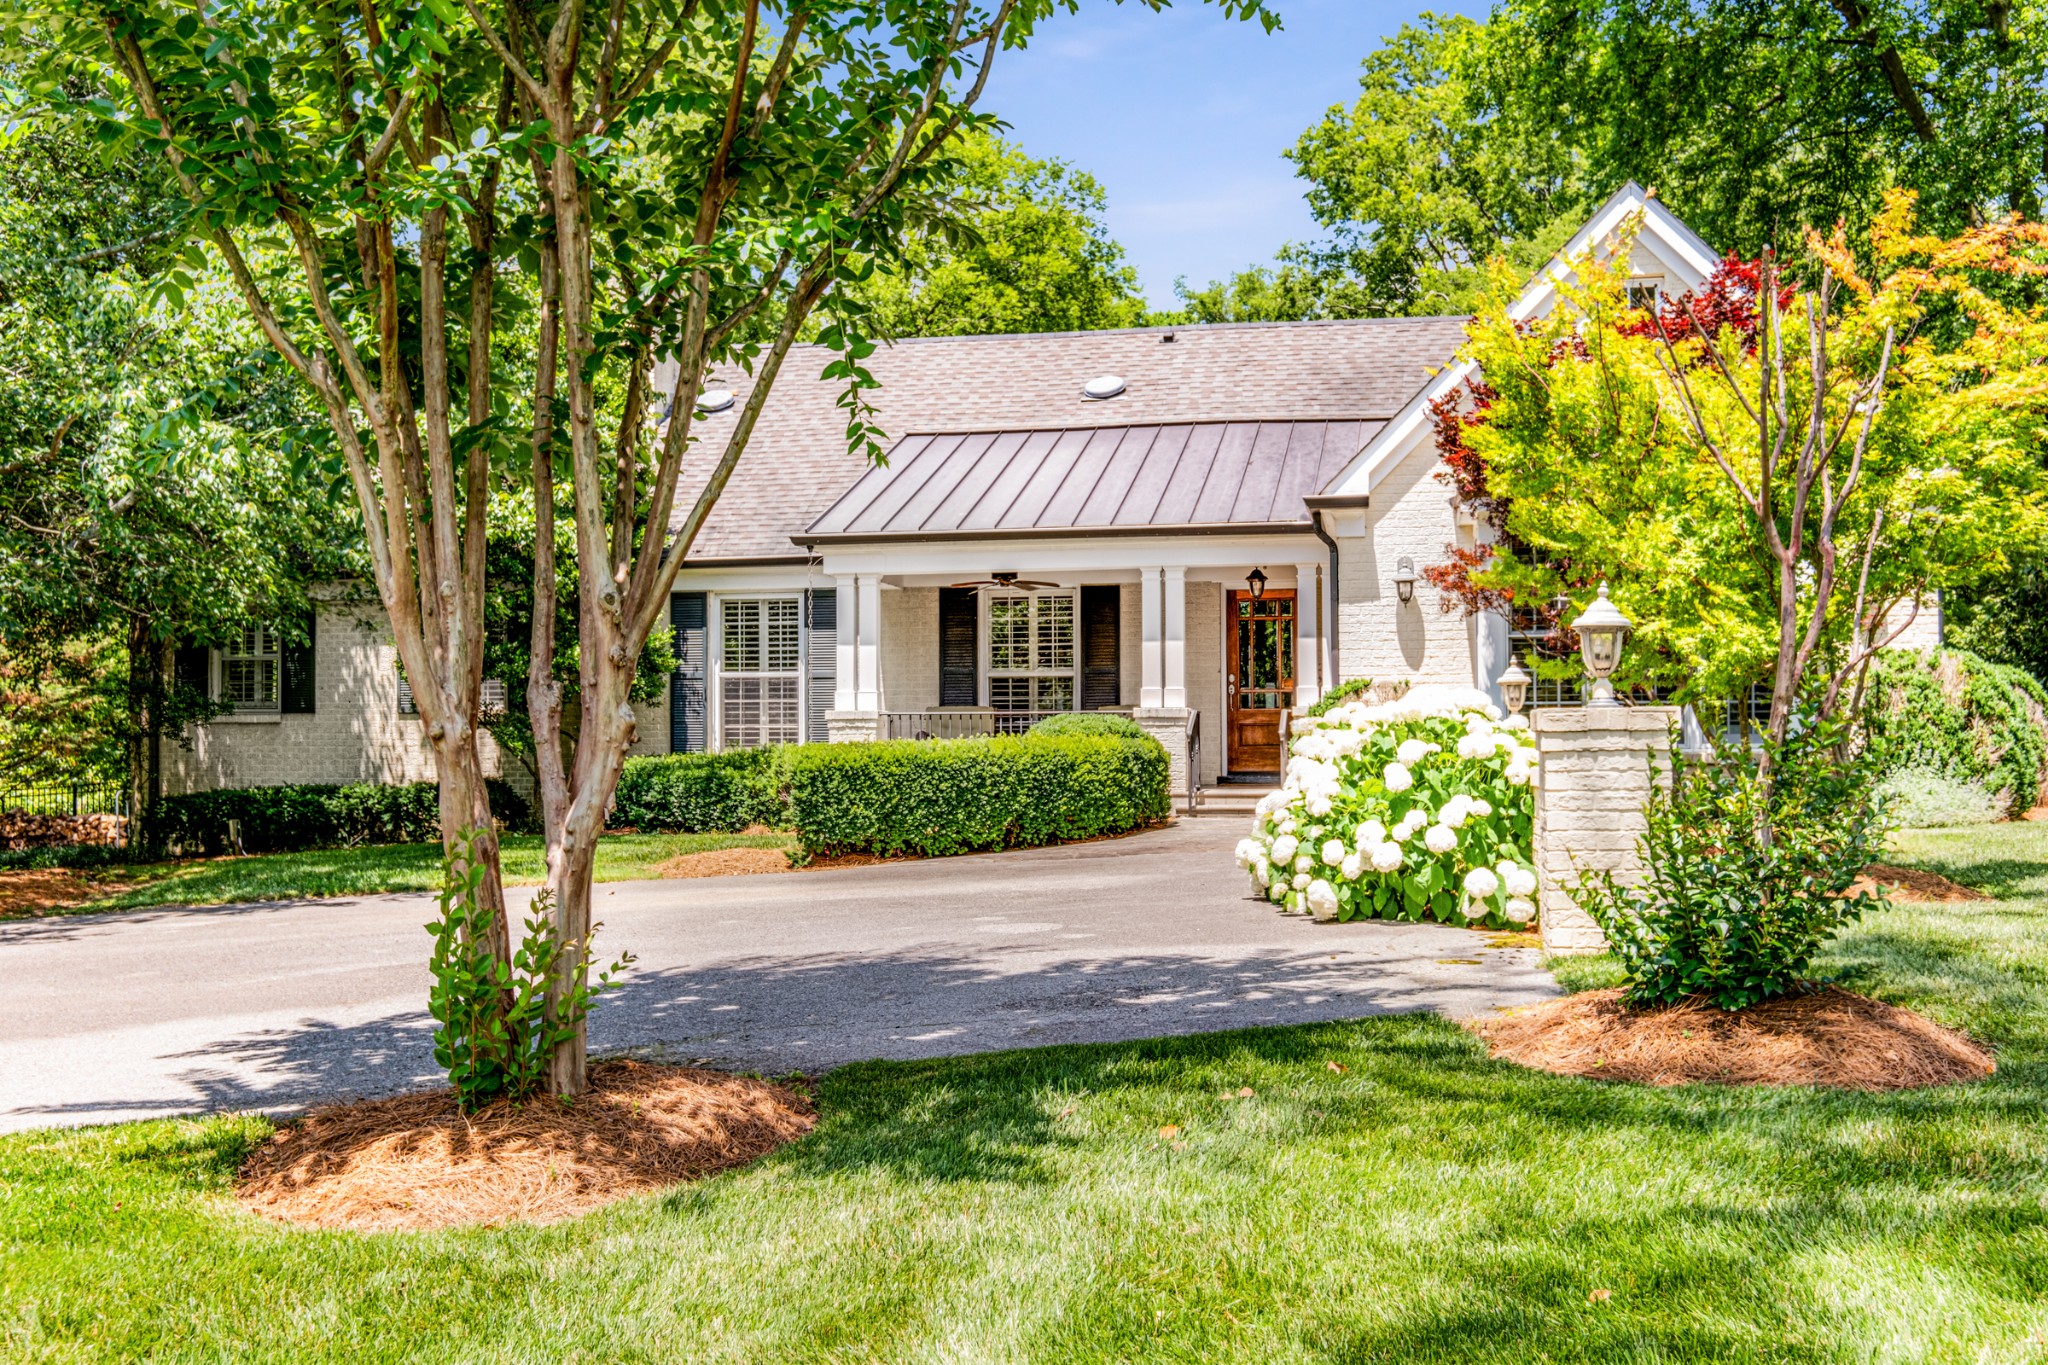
[{"x": 1416, "y": 808}]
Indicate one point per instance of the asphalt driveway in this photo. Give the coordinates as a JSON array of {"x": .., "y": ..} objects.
[{"x": 272, "y": 1006}]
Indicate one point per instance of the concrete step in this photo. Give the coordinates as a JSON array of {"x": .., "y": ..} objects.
[{"x": 1239, "y": 801}]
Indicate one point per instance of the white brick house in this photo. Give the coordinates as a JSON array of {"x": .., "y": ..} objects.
[{"x": 1031, "y": 545}]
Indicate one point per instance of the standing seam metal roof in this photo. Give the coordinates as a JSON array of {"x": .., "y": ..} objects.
[{"x": 1089, "y": 478}]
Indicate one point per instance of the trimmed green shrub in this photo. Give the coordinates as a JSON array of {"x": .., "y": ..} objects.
[
  {"x": 314, "y": 815},
  {"x": 1718, "y": 914},
  {"x": 1090, "y": 723},
  {"x": 705, "y": 793},
  {"x": 1921, "y": 798},
  {"x": 1960, "y": 716},
  {"x": 964, "y": 795},
  {"x": 1338, "y": 695}
]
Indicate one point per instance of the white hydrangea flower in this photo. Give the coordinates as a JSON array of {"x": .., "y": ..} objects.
[
  {"x": 1284, "y": 846},
  {"x": 1520, "y": 882},
  {"x": 1412, "y": 751},
  {"x": 1322, "y": 899},
  {"x": 1277, "y": 893},
  {"x": 1480, "y": 883},
  {"x": 1353, "y": 867},
  {"x": 1262, "y": 873},
  {"x": 1334, "y": 851},
  {"x": 1482, "y": 808},
  {"x": 1286, "y": 825},
  {"x": 1247, "y": 851},
  {"x": 1370, "y": 833},
  {"x": 1518, "y": 910},
  {"x": 1301, "y": 881},
  {"x": 1456, "y": 810},
  {"x": 1386, "y": 858},
  {"x": 1319, "y": 804},
  {"x": 1397, "y": 778},
  {"x": 1304, "y": 863},
  {"x": 1440, "y": 839},
  {"x": 1518, "y": 775},
  {"x": 1473, "y": 908}
]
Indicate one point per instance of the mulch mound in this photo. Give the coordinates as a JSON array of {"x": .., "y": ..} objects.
[
  {"x": 37, "y": 890},
  {"x": 416, "y": 1161},
  {"x": 725, "y": 862},
  {"x": 1829, "y": 1038},
  {"x": 1915, "y": 886}
]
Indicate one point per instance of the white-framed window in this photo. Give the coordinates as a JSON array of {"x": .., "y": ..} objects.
[
  {"x": 760, "y": 686},
  {"x": 249, "y": 670},
  {"x": 1034, "y": 663}
]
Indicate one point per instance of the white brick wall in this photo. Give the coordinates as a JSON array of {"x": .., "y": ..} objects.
[
  {"x": 354, "y": 734},
  {"x": 1205, "y": 671},
  {"x": 1379, "y": 638},
  {"x": 910, "y": 649}
]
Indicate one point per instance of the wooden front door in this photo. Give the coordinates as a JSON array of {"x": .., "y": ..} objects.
[{"x": 1260, "y": 685}]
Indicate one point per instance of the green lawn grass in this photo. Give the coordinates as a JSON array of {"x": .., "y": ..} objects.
[
  {"x": 1422, "y": 1204},
  {"x": 383, "y": 867}
]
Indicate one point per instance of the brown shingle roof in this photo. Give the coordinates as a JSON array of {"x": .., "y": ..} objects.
[
  {"x": 1087, "y": 478},
  {"x": 1210, "y": 381}
]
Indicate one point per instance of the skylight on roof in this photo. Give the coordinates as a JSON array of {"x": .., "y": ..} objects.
[
  {"x": 1103, "y": 386},
  {"x": 714, "y": 400}
]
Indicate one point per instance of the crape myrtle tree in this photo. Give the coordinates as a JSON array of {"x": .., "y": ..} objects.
[
  {"x": 676, "y": 180},
  {"x": 1777, "y": 484}
]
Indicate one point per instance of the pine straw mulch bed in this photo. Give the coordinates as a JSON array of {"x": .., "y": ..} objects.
[
  {"x": 746, "y": 862},
  {"x": 416, "y": 1161},
  {"x": 1830, "y": 1037},
  {"x": 27, "y": 893},
  {"x": 1915, "y": 886}
]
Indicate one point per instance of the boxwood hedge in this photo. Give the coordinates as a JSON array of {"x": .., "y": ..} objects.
[
  {"x": 705, "y": 793},
  {"x": 936, "y": 798},
  {"x": 1089, "y": 723},
  {"x": 302, "y": 815}
]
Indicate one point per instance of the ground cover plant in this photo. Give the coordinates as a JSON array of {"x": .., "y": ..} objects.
[
  {"x": 365, "y": 871},
  {"x": 1416, "y": 808},
  {"x": 1383, "y": 1192}
]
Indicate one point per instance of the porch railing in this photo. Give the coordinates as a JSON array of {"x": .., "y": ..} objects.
[{"x": 966, "y": 724}]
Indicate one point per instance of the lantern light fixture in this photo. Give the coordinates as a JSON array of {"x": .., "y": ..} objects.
[
  {"x": 1602, "y": 629},
  {"x": 1404, "y": 580},
  {"x": 1255, "y": 581},
  {"x": 1514, "y": 686}
]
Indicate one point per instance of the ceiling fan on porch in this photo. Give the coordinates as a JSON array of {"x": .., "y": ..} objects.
[{"x": 1004, "y": 582}]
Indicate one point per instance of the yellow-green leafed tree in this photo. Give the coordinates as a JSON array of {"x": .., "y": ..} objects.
[{"x": 1774, "y": 475}]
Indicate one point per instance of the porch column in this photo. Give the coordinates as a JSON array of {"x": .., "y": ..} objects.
[
  {"x": 1174, "y": 640},
  {"x": 868, "y": 647},
  {"x": 844, "y": 684},
  {"x": 1308, "y": 636},
  {"x": 1152, "y": 647}
]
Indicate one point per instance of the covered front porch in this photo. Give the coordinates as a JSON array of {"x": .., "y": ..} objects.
[{"x": 1207, "y": 642}]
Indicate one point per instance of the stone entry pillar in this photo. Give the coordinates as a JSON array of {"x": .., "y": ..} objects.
[
  {"x": 1169, "y": 725},
  {"x": 1595, "y": 775}
]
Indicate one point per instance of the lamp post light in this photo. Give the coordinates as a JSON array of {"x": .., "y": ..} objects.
[
  {"x": 1404, "y": 580},
  {"x": 1514, "y": 686},
  {"x": 1601, "y": 630},
  {"x": 1256, "y": 582}
]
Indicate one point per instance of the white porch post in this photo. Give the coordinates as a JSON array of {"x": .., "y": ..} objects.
[
  {"x": 844, "y": 684},
  {"x": 1174, "y": 640},
  {"x": 868, "y": 648},
  {"x": 1308, "y": 636},
  {"x": 1152, "y": 650}
]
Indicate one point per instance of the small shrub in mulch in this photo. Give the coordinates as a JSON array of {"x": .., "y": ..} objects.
[
  {"x": 1827, "y": 1038},
  {"x": 417, "y": 1161}
]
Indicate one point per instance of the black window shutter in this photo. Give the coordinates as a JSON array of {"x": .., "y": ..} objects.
[
  {"x": 295, "y": 674},
  {"x": 1101, "y": 634},
  {"x": 189, "y": 668},
  {"x": 821, "y": 606},
  {"x": 958, "y": 676},
  {"x": 686, "y": 612}
]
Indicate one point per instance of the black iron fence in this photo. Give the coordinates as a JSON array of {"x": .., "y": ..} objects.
[{"x": 67, "y": 798}]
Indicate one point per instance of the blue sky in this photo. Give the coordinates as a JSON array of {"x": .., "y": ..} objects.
[{"x": 1183, "y": 116}]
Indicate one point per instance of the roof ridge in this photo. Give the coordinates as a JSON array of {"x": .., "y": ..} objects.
[{"x": 1164, "y": 328}]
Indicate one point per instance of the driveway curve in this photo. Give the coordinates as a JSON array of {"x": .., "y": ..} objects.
[{"x": 273, "y": 1006}]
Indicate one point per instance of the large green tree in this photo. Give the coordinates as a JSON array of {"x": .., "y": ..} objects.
[
  {"x": 1020, "y": 247},
  {"x": 148, "y": 495},
  {"x": 390, "y": 183}
]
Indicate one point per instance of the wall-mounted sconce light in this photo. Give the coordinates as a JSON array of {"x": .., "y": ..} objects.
[
  {"x": 1255, "y": 581},
  {"x": 1404, "y": 580}
]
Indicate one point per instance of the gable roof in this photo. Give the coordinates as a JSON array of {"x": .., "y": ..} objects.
[
  {"x": 1126, "y": 478},
  {"x": 797, "y": 466},
  {"x": 1664, "y": 241}
]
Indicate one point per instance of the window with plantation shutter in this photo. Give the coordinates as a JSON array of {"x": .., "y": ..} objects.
[
  {"x": 1032, "y": 654},
  {"x": 760, "y": 689}
]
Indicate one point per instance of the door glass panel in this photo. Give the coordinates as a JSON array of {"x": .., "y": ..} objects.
[{"x": 1265, "y": 654}]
